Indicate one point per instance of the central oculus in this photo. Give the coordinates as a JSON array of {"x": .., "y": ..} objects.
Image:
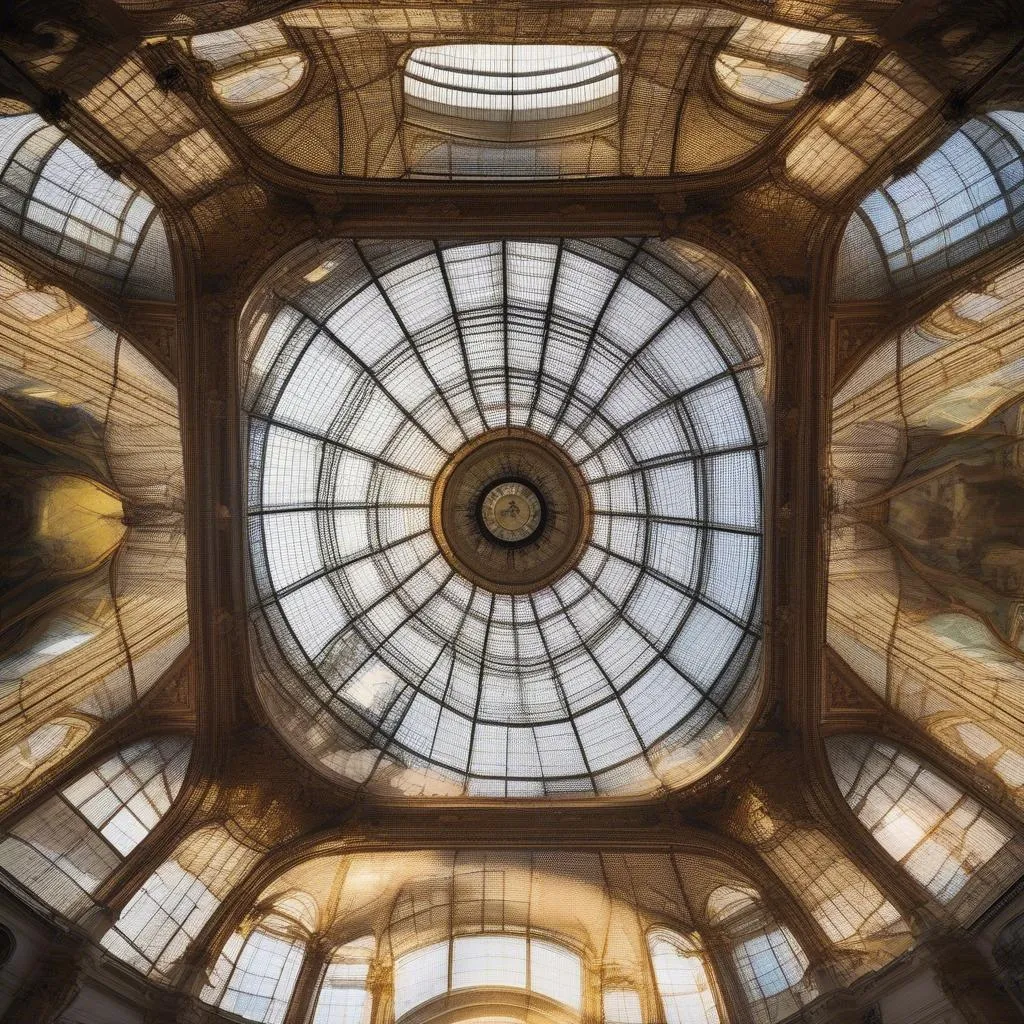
[{"x": 510, "y": 511}]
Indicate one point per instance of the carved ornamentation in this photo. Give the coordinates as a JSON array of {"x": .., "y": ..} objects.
[
  {"x": 842, "y": 693},
  {"x": 854, "y": 331}
]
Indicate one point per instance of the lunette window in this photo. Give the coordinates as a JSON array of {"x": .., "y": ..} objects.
[
  {"x": 958, "y": 202},
  {"x": 54, "y": 196},
  {"x": 771, "y": 964},
  {"x": 488, "y": 961},
  {"x": 255, "y": 976},
  {"x": 165, "y": 915},
  {"x": 544, "y": 89},
  {"x": 66, "y": 847},
  {"x": 937, "y": 833}
]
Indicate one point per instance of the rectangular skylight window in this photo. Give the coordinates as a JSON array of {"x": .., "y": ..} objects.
[{"x": 509, "y": 82}]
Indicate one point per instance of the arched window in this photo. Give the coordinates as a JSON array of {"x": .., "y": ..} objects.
[
  {"x": 622, "y": 1006},
  {"x": 255, "y": 975},
  {"x": 343, "y": 996},
  {"x": 53, "y": 195},
  {"x": 520, "y": 91},
  {"x": 683, "y": 979},
  {"x": 488, "y": 961},
  {"x": 769, "y": 63},
  {"x": 67, "y": 846},
  {"x": 925, "y": 823},
  {"x": 771, "y": 964},
  {"x": 509, "y": 110},
  {"x": 251, "y": 64},
  {"x": 848, "y": 906},
  {"x": 167, "y": 913},
  {"x": 958, "y": 202}
]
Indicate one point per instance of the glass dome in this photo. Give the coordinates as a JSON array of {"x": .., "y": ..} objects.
[{"x": 505, "y": 513}]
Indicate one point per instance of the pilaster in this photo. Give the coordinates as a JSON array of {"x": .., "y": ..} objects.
[
  {"x": 307, "y": 986},
  {"x": 723, "y": 970},
  {"x": 380, "y": 983}
]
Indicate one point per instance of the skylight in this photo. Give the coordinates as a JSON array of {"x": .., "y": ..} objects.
[
  {"x": 625, "y": 672},
  {"x": 507, "y": 83}
]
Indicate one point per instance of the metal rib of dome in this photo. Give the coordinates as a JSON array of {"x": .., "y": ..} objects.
[{"x": 636, "y": 667}]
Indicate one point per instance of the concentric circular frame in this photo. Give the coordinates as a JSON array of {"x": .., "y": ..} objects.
[
  {"x": 638, "y": 668},
  {"x": 566, "y": 514}
]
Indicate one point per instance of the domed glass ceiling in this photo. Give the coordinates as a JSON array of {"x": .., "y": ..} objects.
[{"x": 637, "y": 368}]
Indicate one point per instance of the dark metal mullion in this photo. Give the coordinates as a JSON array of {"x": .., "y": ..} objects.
[
  {"x": 372, "y": 374},
  {"x": 751, "y": 433},
  {"x": 479, "y": 689},
  {"x": 353, "y": 625},
  {"x": 272, "y": 403},
  {"x": 69, "y": 217},
  {"x": 872, "y": 230},
  {"x": 458, "y": 91},
  {"x": 313, "y": 436},
  {"x": 756, "y": 448},
  {"x": 697, "y": 524},
  {"x": 545, "y": 72},
  {"x": 346, "y": 563},
  {"x": 439, "y": 254},
  {"x": 680, "y": 588},
  {"x": 417, "y": 687},
  {"x": 689, "y": 429},
  {"x": 546, "y": 335},
  {"x": 378, "y": 646},
  {"x": 154, "y": 215},
  {"x": 122, "y": 220},
  {"x": 944, "y": 226},
  {"x": 659, "y": 653},
  {"x": 635, "y": 356},
  {"x": 375, "y": 650},
  {"x": 336, "y": 506},
  {"x": 607, "y": 678},
  {"x": 408, "y": 337},
  {"x": 451, "y": 668},
  {"x": 570, "y": 717},
  {"x": 36, "y": 174},
  {"x": 662, "y": 461},
  {"x": 645, "y": 567},
  {"x": 592, "y": 338},
  {"x": 653, "y": 410}
]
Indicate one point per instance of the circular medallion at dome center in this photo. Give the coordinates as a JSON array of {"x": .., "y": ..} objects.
[{"x": 510, "y": 511}]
